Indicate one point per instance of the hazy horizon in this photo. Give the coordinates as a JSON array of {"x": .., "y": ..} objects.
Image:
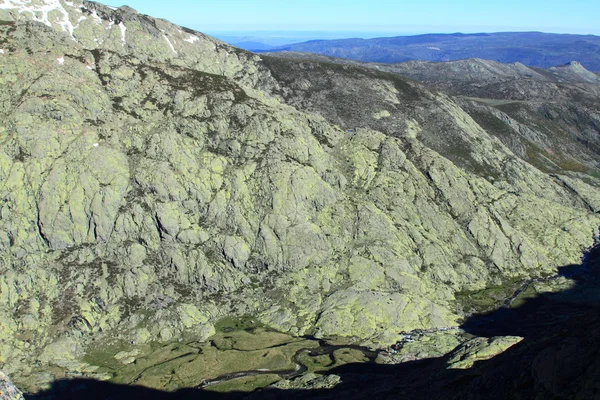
[
  {"x": 286, "y": 37},
  {"x": 432, "y": 16},
  {"x": 282, "y": 37}
]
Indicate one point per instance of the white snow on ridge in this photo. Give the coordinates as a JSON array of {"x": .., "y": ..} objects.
[
  {"x": 53, "y": 12},
  {"x": 123, "y": 32},
  {"x": 192, "y": 39},
  {"x": 41, "y": 13}
]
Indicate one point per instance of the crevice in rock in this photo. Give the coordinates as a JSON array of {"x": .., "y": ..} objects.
[{"x": 572, "y": 190}]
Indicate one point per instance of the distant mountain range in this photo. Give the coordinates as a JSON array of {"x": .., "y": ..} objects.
[
  {"x": 530, "y": 48},
  {"x": 268, "y": 40},
  {"x": 253, "y": 46}
]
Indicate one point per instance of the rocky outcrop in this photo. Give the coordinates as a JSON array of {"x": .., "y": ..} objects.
[
  {"x": 154, "y": 181},
  {"x": 479, "y": 349},
  {"x": 307, "y": 382},
  {"x": 8, "y": 391},
  {"x": 574, "y": 71}
]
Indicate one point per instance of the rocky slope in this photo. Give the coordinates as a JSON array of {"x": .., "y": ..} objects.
[
  {"x": 154, "y": 181},
  {"x": 548, "y": 117}
]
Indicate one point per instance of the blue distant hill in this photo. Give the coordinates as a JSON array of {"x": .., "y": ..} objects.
[
  {"x": 530, "y": 48},
  {"x": 253, "y": 46}
]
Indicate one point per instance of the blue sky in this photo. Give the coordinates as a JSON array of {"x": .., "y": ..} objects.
[{"x": 560, "y": 16}]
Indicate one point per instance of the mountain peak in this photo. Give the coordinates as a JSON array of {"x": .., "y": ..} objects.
[
  {"x": 62, "y": 15},
  {"x": 573, "y": 65},
  {"x": 123, "y": 30},
  {"x": 574, "y": 70}
]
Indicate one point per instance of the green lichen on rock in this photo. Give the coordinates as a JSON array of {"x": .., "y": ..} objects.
[
  {"x": 155, "y": 181},
  {"x": 308, "y": 381},
  {"x": 428, "y": 345}
]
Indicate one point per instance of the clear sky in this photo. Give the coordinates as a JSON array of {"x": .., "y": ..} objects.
[{"x": 412, "y": 16}]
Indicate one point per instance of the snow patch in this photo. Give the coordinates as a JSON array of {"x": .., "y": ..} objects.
[
  {"x": 89, "y": 67},
  {"x": 41, "y": 12},
  {"x": 192, "y": 39},
  {"x": 96, "y": 144},
  {"x": 1, "y": 51},
  {"x": 434, "y": 48},
  {"x": 123, "y": 32},
  {"x": 61, "y": 60},
  {"x": 170, "y": 44}
]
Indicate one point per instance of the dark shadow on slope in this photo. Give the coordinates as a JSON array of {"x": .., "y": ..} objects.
[
  {"x": 88, "y": 389},
  {"x": 559, "y": 358}
]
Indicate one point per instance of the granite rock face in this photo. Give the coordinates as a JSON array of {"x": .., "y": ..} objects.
[
  {"x": 154, "y": 181},
  {"x": 8, "y": 391}
]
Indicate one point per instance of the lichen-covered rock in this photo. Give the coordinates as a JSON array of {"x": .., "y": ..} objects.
[
  {"x": 363, "y": 314},
  {"x": 154, "y": 181},
  {"x": 308, "y": 381},
  {"x": 427, "y": 345}
]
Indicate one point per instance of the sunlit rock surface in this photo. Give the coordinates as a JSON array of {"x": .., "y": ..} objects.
[{"x": 154, "y": 181}]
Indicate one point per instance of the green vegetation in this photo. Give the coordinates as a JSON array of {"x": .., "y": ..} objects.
[
  {"x": 239, "y": 345},
  {"x": 245, "y": 384},
  {"x": 488, "y": 299}
]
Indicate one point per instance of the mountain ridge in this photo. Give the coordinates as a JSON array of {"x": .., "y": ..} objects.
[
  {"x": 512, "y": 92},
  {"x": 154, "y": 185}
]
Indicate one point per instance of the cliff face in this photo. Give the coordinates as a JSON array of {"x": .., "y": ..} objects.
[{"x": 154, "y": 181}]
